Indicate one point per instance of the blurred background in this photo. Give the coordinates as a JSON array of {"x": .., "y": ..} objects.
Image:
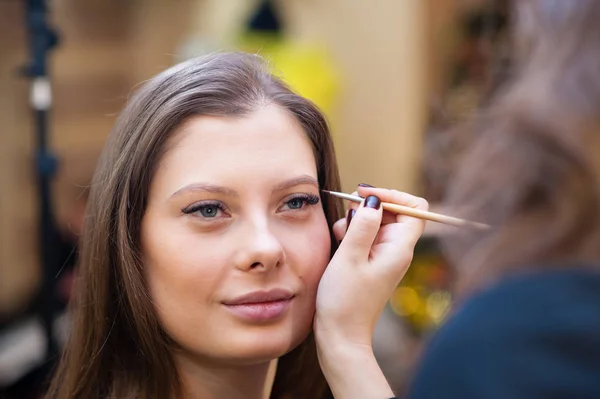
[{"x": 390, "y": 75}]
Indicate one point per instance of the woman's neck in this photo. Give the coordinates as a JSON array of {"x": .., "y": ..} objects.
[{"x": 200, "y": 380}]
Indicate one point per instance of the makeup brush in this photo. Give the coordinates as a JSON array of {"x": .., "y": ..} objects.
[{"x": 417, "y": 213}]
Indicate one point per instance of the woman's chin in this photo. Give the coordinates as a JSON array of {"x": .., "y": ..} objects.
[
  {"x": 258, "y": 350},
  {"x": 240, "y": 343},
  {"x": 251, "y": 348}
]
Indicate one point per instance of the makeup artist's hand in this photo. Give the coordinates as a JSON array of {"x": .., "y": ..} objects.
[{"x": 374, "y": 254}]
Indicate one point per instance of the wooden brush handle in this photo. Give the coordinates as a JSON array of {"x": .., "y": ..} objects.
[{"x": 434, "y": 217}]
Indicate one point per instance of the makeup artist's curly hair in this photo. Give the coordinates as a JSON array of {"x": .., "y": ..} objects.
[
  {"x": 534, "y": 168},
  {"x": 117, "y": 348}
]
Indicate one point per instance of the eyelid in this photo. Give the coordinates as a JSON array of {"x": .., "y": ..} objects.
[
  {"x": 309, "y": 198},
  {"x": 195, "y": 207}
]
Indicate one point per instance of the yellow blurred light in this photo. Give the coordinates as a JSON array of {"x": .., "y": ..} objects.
[
  {"x": 437, "y": 305},
  {"x": 306, "y": 67},
  {"x": 405, "y": 301}
]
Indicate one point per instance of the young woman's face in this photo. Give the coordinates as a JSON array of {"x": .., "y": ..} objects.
[{"x": 234, "y": 237}]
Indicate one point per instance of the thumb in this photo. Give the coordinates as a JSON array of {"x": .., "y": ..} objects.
[{"x": 363, "y": 230}]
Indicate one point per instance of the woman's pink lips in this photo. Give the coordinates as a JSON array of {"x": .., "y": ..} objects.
[{"x": 261, "y": 311}]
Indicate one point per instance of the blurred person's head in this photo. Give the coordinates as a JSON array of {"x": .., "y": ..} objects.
[
  {"x": 207, "y": 191},
  {"x": 533, "y": 170}
]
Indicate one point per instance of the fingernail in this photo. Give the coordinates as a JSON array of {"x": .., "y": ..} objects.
[
  {"x": 351, "y": 213},
  {"x": 372, "y": 202},
  {"x": 365, "y": 185}
]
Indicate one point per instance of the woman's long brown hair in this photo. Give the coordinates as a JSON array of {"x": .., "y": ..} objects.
[
  {"x": 533, "y": 171},
  {"x": 117, "y": 348}
]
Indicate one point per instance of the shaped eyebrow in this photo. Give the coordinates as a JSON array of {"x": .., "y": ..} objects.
[
  {"x": 215, "y": 189},
  {"x": 204, "y": 187},
  {"x": 297, "y": 181}
]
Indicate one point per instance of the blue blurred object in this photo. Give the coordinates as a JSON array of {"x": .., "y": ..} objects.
[{"x": 530, "y": 336}]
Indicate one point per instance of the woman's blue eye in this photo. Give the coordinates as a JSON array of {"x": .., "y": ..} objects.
[
  {"x": 295, "y": 203},
  {"x": 208, "y": 211},
  {"x": 299, "y": 202}
]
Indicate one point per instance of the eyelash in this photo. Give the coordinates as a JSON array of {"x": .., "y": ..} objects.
[
  {"x": 201, "y": 205},
  {"x": 307, "y": 199}
]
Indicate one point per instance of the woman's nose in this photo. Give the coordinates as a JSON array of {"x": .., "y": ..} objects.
[{"x": 260, "y": 249}]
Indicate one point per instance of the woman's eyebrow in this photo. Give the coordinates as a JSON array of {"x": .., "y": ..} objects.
[
  {"x": 296, "y": 181},
  {"x": 209, "y": 188},
  {"x": 215, "y": 189}
]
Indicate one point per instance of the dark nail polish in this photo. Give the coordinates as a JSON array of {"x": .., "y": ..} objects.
[
  {"x": 372, "y": 202},
  {"x": 351, "y": 213},
  {"x": 365, "y": 185}
]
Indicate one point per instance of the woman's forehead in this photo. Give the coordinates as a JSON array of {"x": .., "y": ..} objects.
[{"x": 267, "y": 145}]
